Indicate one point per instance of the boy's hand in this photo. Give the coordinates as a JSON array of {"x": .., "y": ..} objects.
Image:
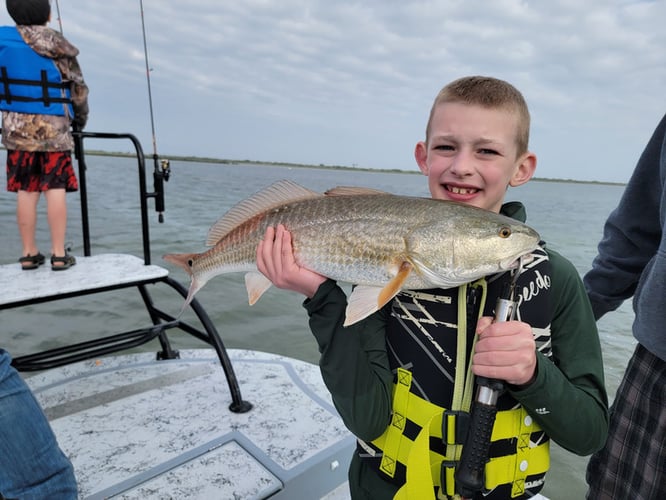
[
  {"x": 505, "y": 351},
  {"x": 275, "y": 260}
]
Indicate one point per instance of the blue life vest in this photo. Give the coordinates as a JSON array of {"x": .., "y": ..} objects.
[{"x": 29, "y": 82}]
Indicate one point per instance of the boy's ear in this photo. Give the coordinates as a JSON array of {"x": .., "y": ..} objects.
[
  {"x": 525, "y": 169},
  {"x": 421, "y": 155}
]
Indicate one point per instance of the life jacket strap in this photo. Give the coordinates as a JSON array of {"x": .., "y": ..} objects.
[
  {"x": 529, "y": 459},
  {"x": 43, "y": 82}
]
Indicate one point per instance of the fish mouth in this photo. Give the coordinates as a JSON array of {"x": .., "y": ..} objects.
[{"x": 517, "y": 262}]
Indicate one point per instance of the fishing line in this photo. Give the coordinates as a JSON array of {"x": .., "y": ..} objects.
[
  {"x": 148, "y": 70},
  {"x": 162, "y": 168},
  {"x": 59, "y": 18}
]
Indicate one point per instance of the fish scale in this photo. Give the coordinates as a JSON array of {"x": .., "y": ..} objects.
[{"x": 360, "y": 240}]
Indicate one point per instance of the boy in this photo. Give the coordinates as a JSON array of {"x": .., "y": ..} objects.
[
  {"x": 398, "y": 378},
  {"x": 43, "y": 92}
]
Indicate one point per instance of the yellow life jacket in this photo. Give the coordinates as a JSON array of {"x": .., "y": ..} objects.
[
  {"x": 425, "y": 439},
  {"x": 427, "y": 469}
]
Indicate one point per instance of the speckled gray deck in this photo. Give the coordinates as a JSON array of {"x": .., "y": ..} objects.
[
  {"x": 89, "y": 273},
  {"x": 139, "y": 428}
]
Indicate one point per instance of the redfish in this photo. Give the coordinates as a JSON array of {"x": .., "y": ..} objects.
[{"x": 381, "y": 242}]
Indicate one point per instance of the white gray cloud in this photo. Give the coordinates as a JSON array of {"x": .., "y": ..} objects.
[{"x": 351, "y": 82}]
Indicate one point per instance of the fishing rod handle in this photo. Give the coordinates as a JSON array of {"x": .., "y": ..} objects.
[{"x": 470, "y": 471}]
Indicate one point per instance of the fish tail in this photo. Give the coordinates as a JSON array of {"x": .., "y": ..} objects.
[
  {"x": 190, "y": 295},
  {"x": 183, "y": 260},
  {"x": 195, "y": 286}
]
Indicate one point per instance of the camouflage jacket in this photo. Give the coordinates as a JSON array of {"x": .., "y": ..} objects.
[{"x": 30, "y": 132}]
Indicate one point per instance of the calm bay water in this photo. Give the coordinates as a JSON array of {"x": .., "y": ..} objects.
[{"x": 569, "y": 217}]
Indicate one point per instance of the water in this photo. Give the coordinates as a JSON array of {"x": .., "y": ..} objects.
[{"x": 569, "y": 216}]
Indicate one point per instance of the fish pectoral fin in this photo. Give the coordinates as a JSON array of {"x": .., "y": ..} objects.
[
  {"x": 365, "y": 300},
  {"x": 256, "y": 284}
]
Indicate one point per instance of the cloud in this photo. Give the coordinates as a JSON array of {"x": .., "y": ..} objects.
[{"x": 351, "y": 83}]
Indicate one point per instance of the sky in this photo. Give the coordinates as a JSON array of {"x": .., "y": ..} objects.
[{"x": 351, "y": 83}]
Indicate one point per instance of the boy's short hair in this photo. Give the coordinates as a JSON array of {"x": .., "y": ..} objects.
[
  {"x": 26, "y": 12},
  {"x": 489, "y": 93}
]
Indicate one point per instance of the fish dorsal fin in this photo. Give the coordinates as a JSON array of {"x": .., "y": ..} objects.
[
  {"x": 365, "y": 300},
  {"x": 352, "y": 191},
  {"x": 278, "y": 193}
]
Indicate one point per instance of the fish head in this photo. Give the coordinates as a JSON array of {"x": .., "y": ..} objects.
[
  {"x": 491, "y": 243},
  {"x": 196, "y": 266},
  {"x": 471, "y": 244}
]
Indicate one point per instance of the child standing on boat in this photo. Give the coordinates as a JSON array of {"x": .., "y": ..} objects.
[
  {"x": 43, "y": 93},
  {"x": 401, "y": 378}
]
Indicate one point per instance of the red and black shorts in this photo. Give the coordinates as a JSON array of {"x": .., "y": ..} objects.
[{"x": 38, "y": 171}]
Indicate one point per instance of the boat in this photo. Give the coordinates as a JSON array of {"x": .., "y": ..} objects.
[{"x": 140, "y": 419}]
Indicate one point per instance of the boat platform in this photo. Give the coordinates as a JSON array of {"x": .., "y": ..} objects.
[{"x": 92, "y": 274}]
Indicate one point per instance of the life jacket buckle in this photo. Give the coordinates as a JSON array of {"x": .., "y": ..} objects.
[
  {"x": 447, "y": 476},
  {"x": 455, "y": 424}
]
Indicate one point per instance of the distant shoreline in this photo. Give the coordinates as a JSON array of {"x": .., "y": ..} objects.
[{"x": 203, "y": 159}]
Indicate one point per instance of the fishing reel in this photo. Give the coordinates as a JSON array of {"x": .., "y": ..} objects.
[
  {"x": 165, "y": 168},
  {"x": 161, "y": 174}
]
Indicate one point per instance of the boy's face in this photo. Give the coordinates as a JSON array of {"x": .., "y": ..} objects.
[{"x": 471, "y": 156}]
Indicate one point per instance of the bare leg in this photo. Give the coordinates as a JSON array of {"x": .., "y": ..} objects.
[
  {"x": 26, "y": 218},
  {"x": 56, "y": 210}
]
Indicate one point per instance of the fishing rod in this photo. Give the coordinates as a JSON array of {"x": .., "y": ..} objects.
[
  {"x": 470, "y": 471},
  {"x": 162, "y": 168},
  {"x": 75, "y": 128},
  {"x": 59, "y": 18}
]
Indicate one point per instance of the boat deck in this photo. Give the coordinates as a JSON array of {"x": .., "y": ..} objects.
[{"x": 137, "y": 428}]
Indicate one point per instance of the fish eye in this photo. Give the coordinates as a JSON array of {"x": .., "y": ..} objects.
[{"x": 504, "y": 232}]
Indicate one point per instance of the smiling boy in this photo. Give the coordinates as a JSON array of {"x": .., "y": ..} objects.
[
  {"x": 403, "y": 376},
  {"x": 472, "y": 153}
]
